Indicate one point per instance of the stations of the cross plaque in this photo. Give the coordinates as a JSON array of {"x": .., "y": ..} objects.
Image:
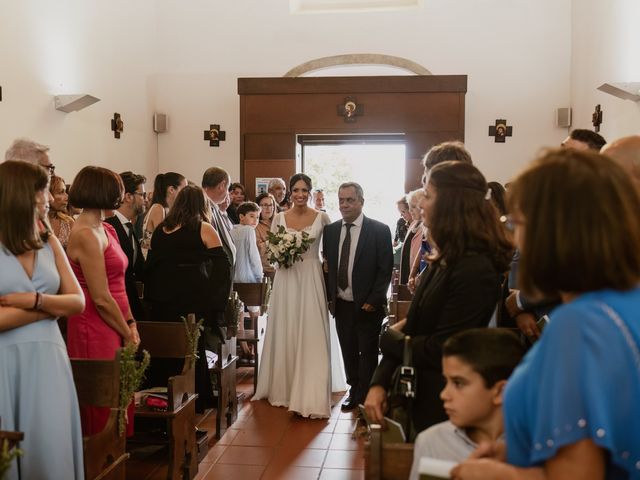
[
  {"x": 500, "y": 131},
  {"x": 214, "y": 136}
]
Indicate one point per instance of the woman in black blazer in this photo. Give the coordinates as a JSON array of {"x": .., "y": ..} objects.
[{"x": 460, "y": 289}]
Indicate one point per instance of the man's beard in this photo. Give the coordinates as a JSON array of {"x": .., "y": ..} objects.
[{"x": 139, "y": 210}]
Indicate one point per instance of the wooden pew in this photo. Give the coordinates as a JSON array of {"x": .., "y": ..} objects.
[
  {"x": 225, "y": 370},
  {"x": 404, "y": 293},
  {"x": 169, "y": 340},
  {"x": 398, "y": 309},
  {"x": 10, "y": 439},
  {"x": 254, "y": 295},
  {"x": 98, "y": 384},
  {"x": 386, "y": 461}
]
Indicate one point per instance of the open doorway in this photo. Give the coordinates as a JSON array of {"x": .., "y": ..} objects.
[{"x": 376, "y": 162}]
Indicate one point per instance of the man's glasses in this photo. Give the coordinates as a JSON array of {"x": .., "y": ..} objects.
[
  {"x": 51, "y": 168},
  {"x": 142, "y": 194}
]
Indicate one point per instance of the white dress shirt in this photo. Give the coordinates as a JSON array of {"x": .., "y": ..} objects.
[{"x": 356, "y": 228}]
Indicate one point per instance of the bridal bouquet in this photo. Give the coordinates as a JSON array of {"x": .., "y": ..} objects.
[{"x": 286, "y": 248}]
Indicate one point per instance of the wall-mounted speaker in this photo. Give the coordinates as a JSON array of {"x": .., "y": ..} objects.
[
  {"x": 160, "y": 122},
  {"x": 563, "y": 117}
]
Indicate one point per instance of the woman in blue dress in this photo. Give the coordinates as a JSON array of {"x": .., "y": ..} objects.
[
  {"x": 37, "y": 393},
  {"x": 571, "y": 409}
]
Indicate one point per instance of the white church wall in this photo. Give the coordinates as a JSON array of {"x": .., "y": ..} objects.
[
  {"x": 605, "y": 48},
  {"x": 184, "y": 58},
  {"x": 517, "y": 56},
  {"x": 73, "y": 46}
]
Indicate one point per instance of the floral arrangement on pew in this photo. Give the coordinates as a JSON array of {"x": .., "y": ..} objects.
[
  {"x": 286, "y": 248},
  {"x": 131, "y": 377},
  {"x": 267, "y": 297},
  {"x": 233, "y": 314},
  {"x": 6, "y": 456},
  {"x": 193, "y": 330}
]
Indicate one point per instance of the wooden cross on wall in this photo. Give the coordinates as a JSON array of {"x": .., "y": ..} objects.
[
  {"x": 214, "y": 136},
  {"x": 350, "y": 110},
  {"x": 500, "y": 131},
  {"x": 117, "y": 125},
  {"x": 596, "y": 118}
]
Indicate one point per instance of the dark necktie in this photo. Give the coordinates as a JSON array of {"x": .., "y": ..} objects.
[
  {"x": 343, "y": 268},
  {"x": 132, "y": 240}
]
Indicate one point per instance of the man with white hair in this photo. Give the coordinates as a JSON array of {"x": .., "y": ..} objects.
[
  {"x": 278, "y": 189},
  {"x": 23, "y": 149}
]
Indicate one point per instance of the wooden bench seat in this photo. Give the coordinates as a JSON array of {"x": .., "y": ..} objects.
[
  {"x": 386, "y": 461},
  {"x": 254, "y": 295},
  {"x": 168, "y": 340},
  {"x": 98, "y": 384},
  {"x": 225, "y": 370}
]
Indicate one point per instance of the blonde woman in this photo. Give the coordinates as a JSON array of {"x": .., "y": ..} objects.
[{"x": 59, "y": 218}]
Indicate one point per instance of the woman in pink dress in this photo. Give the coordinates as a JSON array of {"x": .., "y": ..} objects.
[{"x": 99, "y": 264}]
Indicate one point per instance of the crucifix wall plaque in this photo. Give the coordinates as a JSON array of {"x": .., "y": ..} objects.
[
  {"x": 596, "y": 118},
  {"x": 117, "y": 125},
  {"x": 500, "y": 131},
  {"x": 350, "y": 109},
  {"x": 214, "y": 136}
]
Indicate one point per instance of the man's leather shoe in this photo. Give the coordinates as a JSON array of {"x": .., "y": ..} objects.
[{"x": 349, "y": 404}]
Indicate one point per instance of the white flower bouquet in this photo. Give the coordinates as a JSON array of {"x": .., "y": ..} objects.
[{"x": 286, "y": 248}]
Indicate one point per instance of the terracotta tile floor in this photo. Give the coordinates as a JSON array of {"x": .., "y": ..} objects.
[{"x": 268, "y": 443}]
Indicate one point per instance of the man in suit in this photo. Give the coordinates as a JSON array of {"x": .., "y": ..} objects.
[
  {"x": 359, "y": 261},
  {"x": 123, "y": 221},
  {"x": 215, "y": 183}
]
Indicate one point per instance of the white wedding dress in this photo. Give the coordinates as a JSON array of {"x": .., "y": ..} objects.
[{"x": 301, "y": 349}]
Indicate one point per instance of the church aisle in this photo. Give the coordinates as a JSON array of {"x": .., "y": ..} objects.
[{"x": 270, "y": 443}]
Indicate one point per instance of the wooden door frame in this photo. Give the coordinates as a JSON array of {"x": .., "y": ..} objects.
[{"x": 427, "y": 109}]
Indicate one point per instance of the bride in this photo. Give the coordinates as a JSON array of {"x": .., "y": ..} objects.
[{"x": 295, "y": 370}]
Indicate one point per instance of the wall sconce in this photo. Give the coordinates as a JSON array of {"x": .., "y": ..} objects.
[
  {"x": 626, "y": 91},
  {"x": 73, "y": 103}
]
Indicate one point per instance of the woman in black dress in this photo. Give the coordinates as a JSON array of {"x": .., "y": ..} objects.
[{"x": 187, "y": 271}]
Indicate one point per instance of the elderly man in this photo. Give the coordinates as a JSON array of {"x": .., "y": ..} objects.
[
  {"x": 278, "y": 189},
  {"x": 25, "y": 150},
  {"x": 626, "y": 151}
]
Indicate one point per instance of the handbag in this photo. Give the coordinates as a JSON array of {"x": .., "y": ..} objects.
[{"x": 402, "y": 392}]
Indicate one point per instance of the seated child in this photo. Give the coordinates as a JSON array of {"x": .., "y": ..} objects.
[
  {"x": 248, "y": 263},
  {"x": 476, "y": 364}
]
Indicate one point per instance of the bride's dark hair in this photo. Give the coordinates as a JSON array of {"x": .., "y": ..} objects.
[{"x": 300, "y": 176}]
